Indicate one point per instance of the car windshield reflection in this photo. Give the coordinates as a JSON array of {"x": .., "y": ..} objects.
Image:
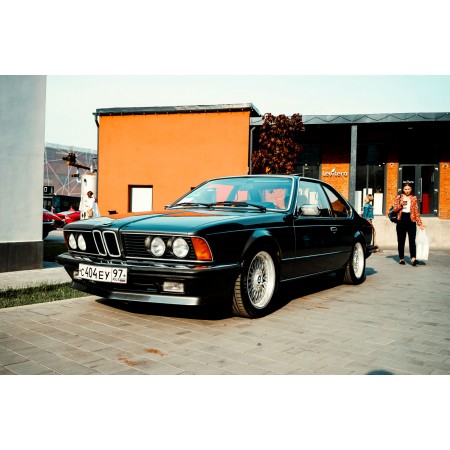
[{"x": 263, "y": 193}]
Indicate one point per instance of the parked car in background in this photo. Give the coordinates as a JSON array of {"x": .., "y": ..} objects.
[
  {"x": 235, "y": 238},
  {"x": 50, "y": 222},
  {"x": 69, "y": 216}
]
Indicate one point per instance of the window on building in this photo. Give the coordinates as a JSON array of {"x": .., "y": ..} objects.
[
  {"x": 140, "y": 198},
  {"x": 309, "y": 161},
  {"x": 370, "y": 176}
]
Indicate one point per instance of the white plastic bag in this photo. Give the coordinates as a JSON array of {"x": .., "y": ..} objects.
[{"x": 422, "y": 245}]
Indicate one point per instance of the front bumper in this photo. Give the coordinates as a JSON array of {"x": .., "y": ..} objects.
[
  {"x": 371, "y": 249},
  {"x": 203, "y": 284}
]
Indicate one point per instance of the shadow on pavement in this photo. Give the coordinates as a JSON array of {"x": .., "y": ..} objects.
[
  {"x": 287, "y": 292},
  {"x": 218, "y": 311}
]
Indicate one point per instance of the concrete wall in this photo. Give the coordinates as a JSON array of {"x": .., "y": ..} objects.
[
  {"x": 22, "y": 144},
  {"x": 438, "y": 232}
]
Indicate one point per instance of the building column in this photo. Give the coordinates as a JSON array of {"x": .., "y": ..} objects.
[{"x": 352, "y": 171}]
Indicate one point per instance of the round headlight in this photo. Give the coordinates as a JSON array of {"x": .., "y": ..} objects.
[
  {"x": 155, "y": 246},
  {"x": 180, "y": 248},
  {"x": 81, "y": 242},
  {"x": 72, "y": 242}
]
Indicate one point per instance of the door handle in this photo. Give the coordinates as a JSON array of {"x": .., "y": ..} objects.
[{"x": 333, "y": 229}]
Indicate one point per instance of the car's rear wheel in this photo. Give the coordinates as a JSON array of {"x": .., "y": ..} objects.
[
  {"x": 355, "y": 272},
  {"x": 255, "y": 286}
]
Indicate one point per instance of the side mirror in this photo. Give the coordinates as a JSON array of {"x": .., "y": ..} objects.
[{"x": 309, "y": 210}]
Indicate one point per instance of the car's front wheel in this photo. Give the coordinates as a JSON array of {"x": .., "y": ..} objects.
[
  {"x": 255, "y": 286},
  {"x": 355, "y": 272}
]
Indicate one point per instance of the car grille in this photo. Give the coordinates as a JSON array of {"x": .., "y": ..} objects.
[
  {"x": 134, "y": 246},
  {"x": 98, "y": 242}
]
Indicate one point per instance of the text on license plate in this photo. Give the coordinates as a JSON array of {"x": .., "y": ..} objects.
[{"x": 106, "y": 274}]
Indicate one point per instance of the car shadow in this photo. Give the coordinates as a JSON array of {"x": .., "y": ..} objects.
[
  {"x": 221, "y": 309},
  {"x": 293, "y": 290},
  {"x": 218, "y": 311}
]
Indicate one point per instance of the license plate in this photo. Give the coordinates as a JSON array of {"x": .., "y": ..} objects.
[{"x": 105, "y": 274}]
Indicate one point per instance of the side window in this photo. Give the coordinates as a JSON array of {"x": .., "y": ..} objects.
[
  {"x": 338, "y": 207},
  {"x": 310, "y": 193}
]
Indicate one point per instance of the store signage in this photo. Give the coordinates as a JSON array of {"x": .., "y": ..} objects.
[
  {"x": 334, "y": 173},
  {"x": 49, "y": 190}
]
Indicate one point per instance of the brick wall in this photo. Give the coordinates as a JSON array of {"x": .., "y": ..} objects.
[
  {"x": 338, "y": 176},
  {"x": 391, "y": 183},
  {"x": 444, "y": 190},
  {"x": 336, "y": 165}
]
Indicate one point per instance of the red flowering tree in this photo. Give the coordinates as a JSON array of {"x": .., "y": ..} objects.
[{"x": 278, "y": 144}]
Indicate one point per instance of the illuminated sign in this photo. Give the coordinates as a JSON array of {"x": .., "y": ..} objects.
[{"x": 334, "y": 173}]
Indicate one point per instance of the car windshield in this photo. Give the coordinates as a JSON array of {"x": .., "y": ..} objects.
[{"x": 263, "y": 193}]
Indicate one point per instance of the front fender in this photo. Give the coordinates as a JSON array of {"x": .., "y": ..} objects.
[{"x": 262, "y": 239}]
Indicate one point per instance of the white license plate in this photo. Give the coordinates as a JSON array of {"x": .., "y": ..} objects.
[{"x": 105, "y": 274}]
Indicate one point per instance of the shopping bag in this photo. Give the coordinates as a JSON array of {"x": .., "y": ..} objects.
[{"x": 422, "y": 246}]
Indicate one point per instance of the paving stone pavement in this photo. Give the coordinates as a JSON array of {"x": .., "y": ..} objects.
[{"x": 396, "y": 322}]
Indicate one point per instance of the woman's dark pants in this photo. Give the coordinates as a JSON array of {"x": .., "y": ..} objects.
[{"x": 405, "y": 226}]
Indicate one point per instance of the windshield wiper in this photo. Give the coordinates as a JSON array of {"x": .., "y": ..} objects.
[
  {"x": 207, "y": 205},
  {"x": 254, "y": 205}
]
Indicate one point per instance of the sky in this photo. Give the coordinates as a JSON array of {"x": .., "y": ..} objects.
[
  {"x": 72, "y": 99},
  {"x": 285, "y": 57}
]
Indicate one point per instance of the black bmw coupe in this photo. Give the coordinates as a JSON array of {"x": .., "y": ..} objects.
[{"x": 233, "y": 238}]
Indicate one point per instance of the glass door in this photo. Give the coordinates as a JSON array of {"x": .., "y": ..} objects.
[{"x": 424, "y": 180}]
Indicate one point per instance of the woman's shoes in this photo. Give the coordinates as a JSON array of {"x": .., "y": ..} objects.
[{"x": 413, "y": 263}]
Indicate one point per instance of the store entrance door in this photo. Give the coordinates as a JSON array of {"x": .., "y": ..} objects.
[{"x": 424, "y": 178}]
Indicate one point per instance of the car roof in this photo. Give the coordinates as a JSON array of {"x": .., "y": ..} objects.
[{"x": 271, "y": 175}]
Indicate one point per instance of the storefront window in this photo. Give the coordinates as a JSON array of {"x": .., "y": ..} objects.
[
  {"x": 423, "y": 178},
  {"x": 370, "y": 173},
  {"x": 308, "y": 163}
]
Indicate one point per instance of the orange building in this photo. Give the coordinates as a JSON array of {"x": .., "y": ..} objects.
[{"x": 148, "y": 157}]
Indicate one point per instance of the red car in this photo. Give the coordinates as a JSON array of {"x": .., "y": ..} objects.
[
  {"x": 50, "y": 222},
  {"x": 69, "y": 216}
]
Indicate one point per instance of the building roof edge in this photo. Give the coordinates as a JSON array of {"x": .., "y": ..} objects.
[
  {"x": 235, "y": 107},
  {"x": 369, "y": 118}
]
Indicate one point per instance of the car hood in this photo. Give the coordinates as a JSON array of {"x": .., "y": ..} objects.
[{"x": 173, "y": 220}]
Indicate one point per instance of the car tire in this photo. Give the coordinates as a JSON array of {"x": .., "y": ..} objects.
[
  {"x": 45, "y": 234},
  {"x": 355, "y": 272},
  {"x": 255, "y": 287}
]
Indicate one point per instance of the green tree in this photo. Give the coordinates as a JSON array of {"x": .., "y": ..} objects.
[{"x": 278, "y": 144}]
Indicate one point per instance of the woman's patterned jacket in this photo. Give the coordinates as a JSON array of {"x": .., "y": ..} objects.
[{"x": 415, "y": 216}]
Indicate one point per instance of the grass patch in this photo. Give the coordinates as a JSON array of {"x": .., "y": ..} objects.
[
  {"x": 41, "y": 293},
  {"x": 53, "y": 249}
]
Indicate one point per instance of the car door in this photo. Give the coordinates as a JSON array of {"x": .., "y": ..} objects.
[
  {"x": 344, "y": 230},
  {"x": 315, "y": 231}
]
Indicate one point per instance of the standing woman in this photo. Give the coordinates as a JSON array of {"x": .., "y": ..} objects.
[
  {"x": 90, "y": 206},
  {"x": 408, "y": 218},
  {"x": 89, "y": 203},
  {"x": 368, "y": 213}
]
